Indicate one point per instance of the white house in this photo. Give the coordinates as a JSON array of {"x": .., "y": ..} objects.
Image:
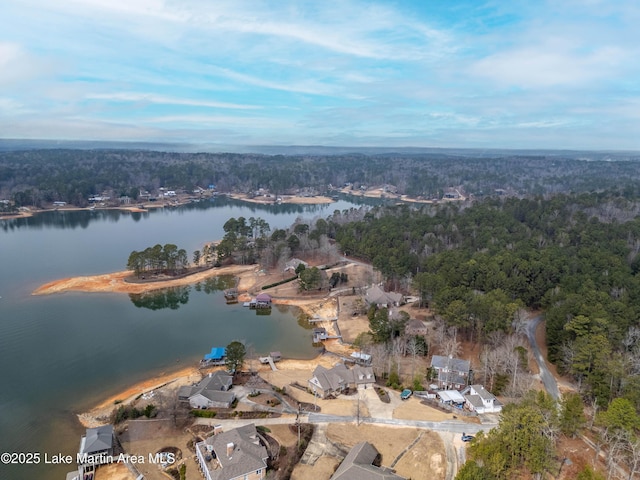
[{"x": 480, "y": 400}]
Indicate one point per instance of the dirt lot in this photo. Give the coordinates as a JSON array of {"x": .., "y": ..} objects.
[
  {"x": 144, "y": 437},
  {"x": 115, "y": 471},
  {"x": 324, "y": 467},
  {"x": 426, "y": 459}
]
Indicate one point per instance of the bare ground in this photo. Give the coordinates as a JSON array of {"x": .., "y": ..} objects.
[
  {"x": 114, "y": 471},
  {"x": 144, "y": 437},
  {"x": 426, "y": 459}
]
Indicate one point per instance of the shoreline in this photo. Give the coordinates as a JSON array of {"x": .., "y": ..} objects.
[
  {"x": 100, "y": 413},
  {"x": 285, "y": 199},
  {"x": 115, "y": 282}
]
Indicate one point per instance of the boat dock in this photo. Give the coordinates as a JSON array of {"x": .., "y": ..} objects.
[{"x": 271, "y": 359}]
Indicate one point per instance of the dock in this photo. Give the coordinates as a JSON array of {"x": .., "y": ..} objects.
[
  {"x": 320, "y": 334},
  {"x": 215, "y": 357},
  {"x": 261, "y": 302},
  {"x": 271, "y": 359},
  {"x": 317, "y": 319}
]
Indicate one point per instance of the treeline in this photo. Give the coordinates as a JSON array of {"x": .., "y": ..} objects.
[
  {"x": 34, "y": 177},
  {"x": 575, "y": 257},
  {"x": 167, "y": 259}
]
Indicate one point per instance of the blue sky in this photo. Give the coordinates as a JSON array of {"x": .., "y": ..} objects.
[{"x": 446, "y": 73}]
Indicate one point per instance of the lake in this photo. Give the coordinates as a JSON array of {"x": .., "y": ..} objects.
[{"x": 61, "y": 354}]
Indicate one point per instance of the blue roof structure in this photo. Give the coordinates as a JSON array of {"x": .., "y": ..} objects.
[{"x": 217, "y": 353}]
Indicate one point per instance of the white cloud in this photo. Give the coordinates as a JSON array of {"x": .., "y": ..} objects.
[
  {"x": 17, "y": 66},
  {"x": 549, "y": 66},
  {"x": 165, "y": 100}
]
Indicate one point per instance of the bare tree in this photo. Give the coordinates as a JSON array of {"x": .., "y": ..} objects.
[
  {"x": 450, "y": 347},
  {"x": 414, "y": 348}
]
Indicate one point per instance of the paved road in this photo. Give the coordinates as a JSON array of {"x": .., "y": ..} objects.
[
  {"x": 549, "y": 382},
  {"x": 452, "y": 426}
]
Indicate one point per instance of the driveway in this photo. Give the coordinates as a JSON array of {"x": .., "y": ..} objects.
[
  {"x": 377, "y": 408},
  {"x": 549, "y": 382}
]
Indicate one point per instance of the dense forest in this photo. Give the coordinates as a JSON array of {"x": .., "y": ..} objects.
[
  {"x": 575, "y": 257},
  {"x": 34, "y": 177}
]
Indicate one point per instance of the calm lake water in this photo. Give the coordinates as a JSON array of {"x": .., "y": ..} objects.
[{"x": 61, "y": 354}]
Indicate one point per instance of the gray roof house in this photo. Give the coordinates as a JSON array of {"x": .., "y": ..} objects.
[
  {"x": 481, "y": 400},
  {"x": 360, "y": 464},
  {"x": 452, "y": 372},
  {"x": 96, "y": 448},
  {"x": 236, "y": 454},
  {"x": 97, "y": 440},
  {"x": 376, "y": 296},
  {"x": 337, "y": 379},
  {"x": 211, "y": 391},
  {"x": 292, "y": 264}
]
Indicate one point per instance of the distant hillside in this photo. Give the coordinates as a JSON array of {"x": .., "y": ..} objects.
[{"x": 73, "y": 171}]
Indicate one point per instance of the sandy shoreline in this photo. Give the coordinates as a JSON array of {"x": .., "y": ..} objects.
[
  {"x": 100, "y": 414},
  {"x": 115, "y": 282}
]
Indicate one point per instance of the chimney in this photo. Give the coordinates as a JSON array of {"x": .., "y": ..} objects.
[{"x": 230, "y": 449}]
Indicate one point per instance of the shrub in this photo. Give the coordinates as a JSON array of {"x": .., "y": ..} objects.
[
  {"x": 150, "y": 411},
  {"x": 281, "y": 282},
  {"x": 203, "y": 413},
  {"x": 125, "y": 413}
]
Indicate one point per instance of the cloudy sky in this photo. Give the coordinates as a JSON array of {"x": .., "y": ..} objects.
[{"x": 432, "y": 73}]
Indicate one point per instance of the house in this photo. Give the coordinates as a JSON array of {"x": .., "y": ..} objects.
[
  {"x": 480, "y": 400},
  {"x": 326, "y": 382},
  {"x": 363, "y": 463},
  {"x": 233, "y": 455},
  {"x": 211, "y": 391},
  {"x": 363, "y": 377},
  {"x": 453, "y": 373},
  {"x": 97, "y": 441},
  {"x": 96, "y": 448},
  {"x": 292, "y": 264},
  {"x": 416, "y": 327},
  {"x": 378, "y": 297},
  {"x": 59, "y": 204}
]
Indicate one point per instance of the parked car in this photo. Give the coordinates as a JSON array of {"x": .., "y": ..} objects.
[
  {"x": 467, "y": 438},
  {"x": 405, "y": 394}
]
